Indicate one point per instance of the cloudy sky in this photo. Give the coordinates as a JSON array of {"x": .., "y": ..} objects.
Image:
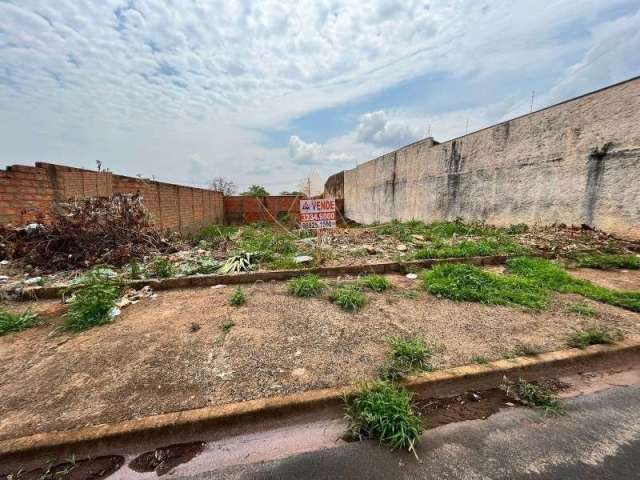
[{"x": 267, "y": 91}]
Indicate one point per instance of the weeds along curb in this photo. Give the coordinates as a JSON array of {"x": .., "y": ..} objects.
[
  {"x": 226, "y": 420},
  {"x": 40, "y": 293}
]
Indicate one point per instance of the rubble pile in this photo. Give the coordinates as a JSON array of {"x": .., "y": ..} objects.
[{"x": 86, "y": 232}]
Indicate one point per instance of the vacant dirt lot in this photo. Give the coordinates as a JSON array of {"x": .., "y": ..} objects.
[{"x": 153, "y": 360}]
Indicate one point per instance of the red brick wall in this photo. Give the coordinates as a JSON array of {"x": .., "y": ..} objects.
[
  {"x": 28, "y": 193},
  {"x": 241, "y": 210}
]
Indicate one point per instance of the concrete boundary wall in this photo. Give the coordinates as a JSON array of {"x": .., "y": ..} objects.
[
  {"x": 29, "y": 193},
  {"x": 577, "y": 162}
]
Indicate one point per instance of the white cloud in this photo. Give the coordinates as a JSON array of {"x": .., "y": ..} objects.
[{"x": 142, "y": 84}]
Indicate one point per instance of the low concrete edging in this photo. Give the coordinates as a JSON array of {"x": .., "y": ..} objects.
[
  {"x": 228, "y": 418},
  {"x": 41, "y": 293}
]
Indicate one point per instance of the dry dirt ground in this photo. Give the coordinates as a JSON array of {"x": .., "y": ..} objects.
[{"x": 150, "y": 360}]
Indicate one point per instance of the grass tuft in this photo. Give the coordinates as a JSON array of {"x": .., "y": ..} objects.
[
  {"x": 349, "y": 298},
  {"x": 238, "y": 297},
  {"x": 471, "y": 248},
  {"x": 470, "y": 283},
  {"x": 227, "y": 326},
  {"x": 407, "y": 356},
  {"x": 16, "y": 322},
  {"x": 534, "y": 395},
  {"x": 284, "y": 263},
  {"x": 383, "y": 412},
  {"x": 523, "y": 350},
  {"x": 595, "y": 335},
  {"x": 608, "y": 261},
  {"x": 480, "y": 360},
  {"x": 377, "y": 283},
  {"x": 583, "y": 309},
  {"x": 94, "y": 303},
  {"x": 306, "y": 286}
]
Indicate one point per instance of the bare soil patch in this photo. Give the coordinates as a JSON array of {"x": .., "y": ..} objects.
[
  {"x": 617, "y": 279},
  {"x": 151, "y": 361}
]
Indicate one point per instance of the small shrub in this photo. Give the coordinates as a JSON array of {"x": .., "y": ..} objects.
[
  {"x": 406, "y": 358},
  {"x": 349, "y": 298},
  {"x": 163, "y": 268},
  {"x": 583, "y": 309},
  {"x": 16, "y": 322},
  {"x": 238, "y": 297},
  {"x": 608, "y": 261},
  {"x": 480, "y": 360},
  {"x": 377, "y": 283},
  {"x": 383, "y": 412},
  {"x": 594, "y": 335},
  {"x": 469, "y": 283},
  {"x": 93, "y": 304},
  {"x": 227, "y": 326},
  {"x": 242, "y": 262},
  {"x": 306, "y": 286},
  {"x": 534, "y": 395}
]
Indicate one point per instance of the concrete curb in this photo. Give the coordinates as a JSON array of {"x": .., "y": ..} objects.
[
  {"x": 441, "y": 383},
  {"x": 41, "y": 293}
]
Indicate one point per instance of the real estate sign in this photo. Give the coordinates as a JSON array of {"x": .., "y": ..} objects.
[{"x": 318, "y": 214}]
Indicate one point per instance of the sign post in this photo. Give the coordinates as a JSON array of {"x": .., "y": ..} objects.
[{"x": 318, "y": 214}]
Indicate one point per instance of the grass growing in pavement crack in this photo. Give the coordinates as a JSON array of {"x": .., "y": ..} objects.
[
  {"x": 16, "y": 322},
  {"x": 94, "y": 303},
  {"x": 594, "y": 335},
  {"x": 377, "y": 283},
  {"x": 383, "y": 411},
  {"x": 473, "y": 284},
  {"x": 534, "y": 395},
  {"x": 238, "y": 297},
  {"x": 407, "y": 356},
  {"x": 349, "y": 298},
  {"x": 306, "y": 286}
]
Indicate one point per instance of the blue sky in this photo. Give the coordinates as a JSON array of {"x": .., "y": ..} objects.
[{"x": 268, "y": 91}]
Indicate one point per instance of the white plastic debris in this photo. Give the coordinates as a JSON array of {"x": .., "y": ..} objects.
[
  {"x": 411, "y": 276},
  {"x": 3, "y": 279},
  {"x": 114, "y": 312},
  {"x": 32, "y": 227},
  {"x": 303, "y": 259},
  {"x": 33, "y": 280},
  {"x": 4, "y": 262},
  {"x": 220, "y": 285},
  {"x": 401, "y": 248}
]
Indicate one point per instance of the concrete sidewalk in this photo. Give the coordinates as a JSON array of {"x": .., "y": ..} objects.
[{"x": 598, "y": 439}]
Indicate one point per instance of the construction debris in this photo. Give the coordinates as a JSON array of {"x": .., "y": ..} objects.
[{"x": 87, "y": 232}]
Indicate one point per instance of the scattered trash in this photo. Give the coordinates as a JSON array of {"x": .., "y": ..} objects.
[
  {"x": 220, "y": 285},
  {"x": 4, "y": 262},
  {"x": 114, "y": 312},
  {"x": 303, "y": 259},
  {"x": 401, "y": 248},
  {"x": 3, "y": 279},
  {"x": 411, "y": 276},
  {"x": 33, "y": 281}
]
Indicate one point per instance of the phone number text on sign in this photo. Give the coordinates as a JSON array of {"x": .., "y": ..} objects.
[{"x": 318, "y": 214}]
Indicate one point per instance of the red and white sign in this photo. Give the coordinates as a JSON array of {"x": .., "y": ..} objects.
[{"x": 318, "y": 214}]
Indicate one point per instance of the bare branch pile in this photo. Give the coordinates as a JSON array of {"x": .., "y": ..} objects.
[{"x": 86, "y": 232}]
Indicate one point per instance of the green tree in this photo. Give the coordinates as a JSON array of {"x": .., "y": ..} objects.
[{"x": 255, "y": 191}]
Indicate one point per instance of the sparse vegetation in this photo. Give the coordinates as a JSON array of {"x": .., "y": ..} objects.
[
  {"x": 523, "y": 350},
  {"x": 534, "y": 395},
  {"x": 595, "y": 335},
  {"x": 242, "y": 262},
  {"x": 136, "y": 271},
  {"x": 227, "y": 326},
  {"x": 202, "y": 265},
  {"x": 266, "y": 242},
  {"x": 238, "y": 297},
  {"x": 382, "y": 411},
  {"x": 608, "y": 261},
  {"x": 480, "y": 360},
  {"x": 94, "y": 303},
  {"x": 163, "y": 268},
  {"x": 583, "y": 309},
  {"x": 407, "y": 357},
  {"x": 349, "y": 298},
  {"x": 213, "y": 234},
  {"x": 377, "y": 283},
  {"x": 284, "y": 263},
  {"x": 306, "y": 286},
  {"x": 16, "y": 322},
  {"x": 471, "y": 248},
  {"x": 469, "y": 283},
  {"x": 516, "y": 229},
  {"x": 410, "y": 294}
]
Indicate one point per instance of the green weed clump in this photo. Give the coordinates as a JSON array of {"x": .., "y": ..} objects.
[
  {"x": 284, "y": 263},
  {"x": 16, "y": 322},
  {"x": 383, "y": 412},
  {"x": 227, "y": 326},
  {"x": 480, "y": 360},
  {"x": 238, "y": 297},
  {"x": 349, "y": 298},
  {"x": 523, "y": 350},
  {"x": 407, "y": 357},
  {"x": 583, "y": 309},
  {"x": 595, "y": 335},
  {"x": 163, "y": 268},
  {"x": 94, "y": 303},
  {"x": 377, "y": 283},
  {"x": 535, "y": 395},
  {"x": 213, "y": 234},
  {"x": 306, "y": 286},
  {"x": 266, "y": 242},
  {"x": 608, "y": 261},
  {"x": 473, "y": 284},
  {"x": 550, "y": 275},
  {"x": 471, "y": 248}
]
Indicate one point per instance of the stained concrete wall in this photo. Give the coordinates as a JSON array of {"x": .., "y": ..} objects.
[{"x": 576, "y": 162}]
